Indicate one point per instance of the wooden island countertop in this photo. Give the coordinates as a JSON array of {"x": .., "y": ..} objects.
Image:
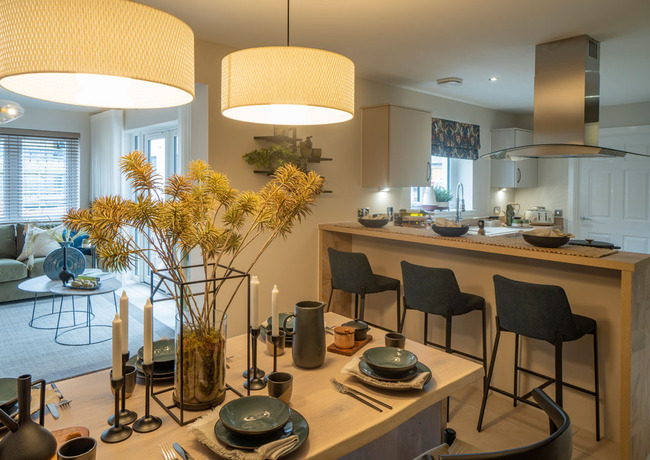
[{"x": 612, "y": 287}]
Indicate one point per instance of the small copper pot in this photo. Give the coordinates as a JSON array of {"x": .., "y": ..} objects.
[{"x": 344, "y": 336}]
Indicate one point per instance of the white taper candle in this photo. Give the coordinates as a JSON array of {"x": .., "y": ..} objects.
[
  {"x": 117, "y": 348},
  {"x": 275, "y": 306},
  {"x": 148, "y": 333},
  {"x": 124, "y": 316},
  {"x": 255, "y": 304}
]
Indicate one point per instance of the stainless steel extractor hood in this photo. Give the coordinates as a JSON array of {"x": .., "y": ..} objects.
[{"x": 567, "y": 94}]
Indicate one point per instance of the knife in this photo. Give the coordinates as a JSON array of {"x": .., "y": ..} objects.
[
  {"x": 53, "y": 410},
  {"x": 182, "y": 452}
]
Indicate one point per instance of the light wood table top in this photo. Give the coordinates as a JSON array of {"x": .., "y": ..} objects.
[{"x": 338, "y": 424}]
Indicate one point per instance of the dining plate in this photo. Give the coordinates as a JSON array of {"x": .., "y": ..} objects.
[
  {"x": 370, "y": 372},
  {"x": 255, "y": 415},
  {"x": 53, "y": 263},
  {"x": 8, "y": 392},
  {"x": 390, "y": 361},
  {"x": 300, "y": 429},
  {"x": 158, "y": 374},
  {"x": 380, "y": 380},
  {"x": 232, "y": 439},
  {"x": 163, "y": 350}
]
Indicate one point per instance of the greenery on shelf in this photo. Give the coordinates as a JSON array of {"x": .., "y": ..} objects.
[
  {"x": 442, "y": 194},
  {"x": 271, "y": 158}
]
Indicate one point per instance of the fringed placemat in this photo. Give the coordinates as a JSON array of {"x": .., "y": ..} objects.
[{"x": 503, "y": 241}]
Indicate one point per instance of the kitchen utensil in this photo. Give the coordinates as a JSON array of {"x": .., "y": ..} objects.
[
  {"x": 182, "y": 452},
  {"x": 539, "y": 215},
  {"x": 546, "y": 241},
  {"x": 344, "y": 336},
  {"x": 53, "y": 410},
  {"x": 344, "y": 391},
  {"x": 168, "y": 452},
  {"x": 280, "y": 385},
  {"x": 450, "y": 231},
  {"x": 308, "y": 348},
  {"x": 254, "y": 415},
  {"x": 390, "y": 361},
  {"x": 374, "y": 222},
  {"x": 395, "y": 339},
  {"x": 82, "y": 448},
  {"x": 337, "y": 384},
  {"x": 594, "y": 244},
  {"x": 361, "y": 329}
]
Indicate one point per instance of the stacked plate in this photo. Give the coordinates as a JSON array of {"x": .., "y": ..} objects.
[
  {"x": 389, "y": 364},
  {"x": 253, "y": 421},
  {"x": 288, "y": 338},
  {"x": 164, "y": 356}
]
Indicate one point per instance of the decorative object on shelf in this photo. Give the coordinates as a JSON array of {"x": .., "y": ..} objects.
[
  {"x": 443, "y": 197},
  {"x": 428, "y": 199},
  {"x": 100, "y": 59},
  {"x": 271, "y": 158},
  {"x": 306, "y": 147},
  {"x": 287, "y": 85},
  {"x": 10, "y": 111},
  {"x": 450, "y": 231},
  {"x": 27, "y": 440},
  {"x": 374, "y": 221},
  {"x": 199, "y": 210},
  {"x": 308, "y": 348}
]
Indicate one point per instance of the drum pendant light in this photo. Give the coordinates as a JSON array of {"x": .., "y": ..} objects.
[
  {"x": 287, "y": 85},
  {"x": 98, "y": 53}
]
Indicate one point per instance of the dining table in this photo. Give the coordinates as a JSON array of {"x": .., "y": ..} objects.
[{"x": 339, "y": 425}]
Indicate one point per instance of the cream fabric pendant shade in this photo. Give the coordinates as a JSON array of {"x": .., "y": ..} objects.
[
  {"x": 287, "y": 85},
  {"x": 99, "y": 53}
]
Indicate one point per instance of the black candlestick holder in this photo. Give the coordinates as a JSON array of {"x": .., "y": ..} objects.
[
  {"x": 126, "y": 416},
  {"x": 148, "y": 422},
  {"x": 276, "y": 339},
  {"x": 254, "y": 380},
  {"x": 117, "y": 433}
]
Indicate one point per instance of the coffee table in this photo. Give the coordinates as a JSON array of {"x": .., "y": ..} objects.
[{"x": 109, "y": 286}]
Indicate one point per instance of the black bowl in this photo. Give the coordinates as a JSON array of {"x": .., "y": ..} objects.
[
  {"x": 450, "y": 231},
  {"x": 546, "y": 241},
  {"x": 373, "y": 223}
]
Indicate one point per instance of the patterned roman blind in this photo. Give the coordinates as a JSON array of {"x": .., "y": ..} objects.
[
  {"x": 454, "y": 139},
  {"x": 39, "y": 174}
]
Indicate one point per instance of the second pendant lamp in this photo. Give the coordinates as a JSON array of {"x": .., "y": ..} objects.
[{"x": 287, "y": 85}]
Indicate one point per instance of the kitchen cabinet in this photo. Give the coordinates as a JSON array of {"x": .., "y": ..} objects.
[
  {"x": 395, "y": 147},
  {"x": 512, "y": 174}
]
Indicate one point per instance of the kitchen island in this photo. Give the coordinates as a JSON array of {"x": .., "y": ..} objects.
[{"x": 610, "y": 287}]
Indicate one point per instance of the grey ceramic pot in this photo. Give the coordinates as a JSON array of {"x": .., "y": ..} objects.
[{"x": 308, "y": 349}]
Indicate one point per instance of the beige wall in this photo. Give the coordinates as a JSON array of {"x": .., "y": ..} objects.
[{"x": 292, "y": 264}]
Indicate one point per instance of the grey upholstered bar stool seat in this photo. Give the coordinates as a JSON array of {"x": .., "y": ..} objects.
[
  {"x": 351, "y": 272},
  {"x": 540, "y": 312}
]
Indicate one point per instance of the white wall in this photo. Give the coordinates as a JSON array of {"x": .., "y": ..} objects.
[{"x": 66, "y": 121}]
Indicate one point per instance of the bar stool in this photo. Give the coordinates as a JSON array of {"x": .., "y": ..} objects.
[
  {"x": 435, "y": 291},
  {"x": 351, "y": 272},
  {"x": 540, "y": 312}
]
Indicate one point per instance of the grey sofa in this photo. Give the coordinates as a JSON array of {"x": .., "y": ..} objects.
[{"x": 12, "y": 271}]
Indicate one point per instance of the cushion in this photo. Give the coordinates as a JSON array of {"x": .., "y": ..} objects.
[
  {"x": 37, "y": 267},
  {"x": 7, "y": 241},
  {"x": 12, "y": 270},
  {"x": 40, "y": 242}
]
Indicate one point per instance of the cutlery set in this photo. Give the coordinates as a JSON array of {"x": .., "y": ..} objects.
[{"x": 346, "y": 390}]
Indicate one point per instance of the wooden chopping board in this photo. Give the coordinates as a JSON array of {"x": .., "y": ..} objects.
[
  {"x": 65, "y": 434},
  {"x": 358, "y": 345}
]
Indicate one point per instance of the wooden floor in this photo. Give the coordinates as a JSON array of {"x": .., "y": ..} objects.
[{"x": 505, "y": 427}]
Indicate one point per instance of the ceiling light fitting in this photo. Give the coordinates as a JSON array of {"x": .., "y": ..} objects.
[
  {"x": 9, "y": 111},
  {"x": 450, "y": 81},
  {"x": 493, "y": 79},
  {"x": 287, "y": 85},
  {"x": 97, "y": 53}
]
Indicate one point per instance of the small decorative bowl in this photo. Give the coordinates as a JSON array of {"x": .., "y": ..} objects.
[
  {"x": 450, "y": 231},
  {"x": 255, "y": 415},
  {"x": 390, "y": 361},
  {"x": 373, "y": 223},
  {"x": 360, "y": 329},
  {"x": 546, "y": 241}
]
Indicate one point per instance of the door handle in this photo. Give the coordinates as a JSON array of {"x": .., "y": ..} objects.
[
  {"x": 518, "y": 175},
  {"x": 585, "y": 218},
  {"x": 428, "y": 172}
]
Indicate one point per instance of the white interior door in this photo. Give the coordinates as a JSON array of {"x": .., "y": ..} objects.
[{"x": 614, "y": 199}]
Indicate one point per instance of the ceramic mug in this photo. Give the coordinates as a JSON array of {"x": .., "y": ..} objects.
[
  {"x": 83, "y": 448},
  {"x": 393, "y": 339},
  {"x": 280, "y": 385},
  {"x": 129, "y": 380}
]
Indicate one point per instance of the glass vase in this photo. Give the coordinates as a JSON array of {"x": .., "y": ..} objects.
[{"x": 200, "y": 368}]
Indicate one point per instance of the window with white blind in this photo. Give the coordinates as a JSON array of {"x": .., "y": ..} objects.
[{"x": 39, "y": 174}]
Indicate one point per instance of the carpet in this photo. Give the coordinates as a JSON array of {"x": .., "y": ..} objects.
[{"x": 26, "y": 350}]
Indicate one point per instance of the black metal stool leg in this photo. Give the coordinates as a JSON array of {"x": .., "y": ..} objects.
[
  {"x": 515, "y": 392},
  {"x": 356, "y": 306},
  {"x": 485, "y": 360},
  {"x": 401, "y": 325},
  {"x": 426, "y": 328},
  {"x": 362, "y": 307},
  {"x": 399, "y": 328},
  {"x": 559, "y": 400},
  {"x": 448, "y": 346},
  {"x": 489, "y": 377},
  {"x": 596, "y": 390}
]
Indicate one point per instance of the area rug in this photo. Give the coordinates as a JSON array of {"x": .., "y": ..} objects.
[{"x": 26, "y": 350}]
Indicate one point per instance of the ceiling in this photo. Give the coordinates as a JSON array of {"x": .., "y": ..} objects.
[{"x": 411, "y": 43}]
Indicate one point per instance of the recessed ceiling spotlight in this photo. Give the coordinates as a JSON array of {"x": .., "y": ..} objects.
[
  {"x": 494, "y": 78},
  {"x": 450, "y": 81}
]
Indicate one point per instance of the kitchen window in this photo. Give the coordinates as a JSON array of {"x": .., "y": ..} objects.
[{"x": 39, "y": 174}]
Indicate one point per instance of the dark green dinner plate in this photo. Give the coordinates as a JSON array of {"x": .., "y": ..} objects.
[
  {"x": 367, "y": 370},
  {"x": 255, "y": 415},
  {"x": 8, "y": 392},
  {"x": 163, "y": 351}
]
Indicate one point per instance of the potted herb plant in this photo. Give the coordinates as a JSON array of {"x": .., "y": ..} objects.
[
  {"x": 443, "y": 197},
  {"x": 201, "y": 210}
]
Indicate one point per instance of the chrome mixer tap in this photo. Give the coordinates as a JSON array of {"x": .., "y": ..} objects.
[{"x": 460, "y": 202}]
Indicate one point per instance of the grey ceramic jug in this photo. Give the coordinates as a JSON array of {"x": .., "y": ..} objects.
[{"x": 308, "y": 348}]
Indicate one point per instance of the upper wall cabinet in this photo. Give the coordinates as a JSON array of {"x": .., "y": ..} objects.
[
  {"x": 396, "y": 147},
  {"x": 512, "y": 174}
]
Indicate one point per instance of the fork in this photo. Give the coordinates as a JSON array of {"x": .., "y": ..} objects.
[
  {"x": 168, "y": 452},
  {"x": 344, "y": 390},
  {"x": 62, "y": 401}
]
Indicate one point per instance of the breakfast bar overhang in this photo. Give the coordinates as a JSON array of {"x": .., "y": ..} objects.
[{"x": 613, "y": 289}]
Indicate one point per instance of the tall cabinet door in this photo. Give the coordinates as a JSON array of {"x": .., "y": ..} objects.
[{"x": 512, "y": 174}]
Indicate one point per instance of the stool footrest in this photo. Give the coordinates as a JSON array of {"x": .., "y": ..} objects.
[{"x": 551, "y": 380}]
